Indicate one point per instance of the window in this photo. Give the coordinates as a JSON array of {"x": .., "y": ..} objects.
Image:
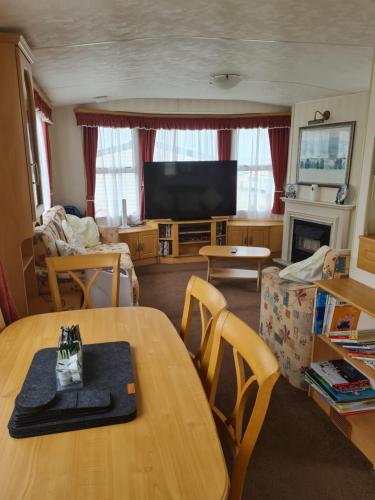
[
  {"x": 185, "y": 145},
  {"x": 255, "y": 185},
  {"x": 43, "y": 160},
  {"x": 116, "y": 173}
]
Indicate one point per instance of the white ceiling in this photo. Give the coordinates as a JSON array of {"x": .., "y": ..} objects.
[{"x": 286, "y": 50}]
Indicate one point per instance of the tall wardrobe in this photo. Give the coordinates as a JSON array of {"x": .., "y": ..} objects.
[{"x": 20, "y": 186}]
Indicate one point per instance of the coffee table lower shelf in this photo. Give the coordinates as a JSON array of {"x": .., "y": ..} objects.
[{"x": 233, "y": 274}]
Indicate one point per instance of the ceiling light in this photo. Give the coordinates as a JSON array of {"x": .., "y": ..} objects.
[
  {"x": 99, "y": 98},
  {"x": 324, "y": 116},
  {"x": 225, "y": 80}
]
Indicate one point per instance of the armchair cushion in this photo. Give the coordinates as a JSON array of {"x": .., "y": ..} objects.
[{"x": 286, "y": 315}]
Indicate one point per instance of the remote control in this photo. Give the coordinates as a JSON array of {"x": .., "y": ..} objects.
[{"x": 233, "y": 250}]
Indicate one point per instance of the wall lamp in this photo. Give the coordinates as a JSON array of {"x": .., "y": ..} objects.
[{"x": 324, "y": 116}]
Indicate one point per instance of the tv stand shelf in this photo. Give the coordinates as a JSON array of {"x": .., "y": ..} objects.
[{"x": 180, "y": 241}]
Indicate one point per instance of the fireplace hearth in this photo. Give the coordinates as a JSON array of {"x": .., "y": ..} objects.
[{"x": 308, "y": 237}]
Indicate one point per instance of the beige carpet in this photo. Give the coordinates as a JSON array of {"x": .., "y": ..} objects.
[{"x": 300, "y": 455}]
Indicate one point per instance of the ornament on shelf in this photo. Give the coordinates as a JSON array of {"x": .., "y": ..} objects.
[{"x": 69, "y": 366}]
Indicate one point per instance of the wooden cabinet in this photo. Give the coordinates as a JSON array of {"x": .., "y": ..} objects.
[
  {"x": 148, "y": 244},
  {"x": 29, "y": 130},
  {"x": 366, "y": 253},
  {"x": 257, "y": 234},
  {"x": 142, "y": 242},
  {"x": 17, "y": 211},
  {"x": 237, "y": 235}
]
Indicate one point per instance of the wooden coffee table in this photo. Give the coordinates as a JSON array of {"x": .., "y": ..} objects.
[{"x": 220, "y": 252}]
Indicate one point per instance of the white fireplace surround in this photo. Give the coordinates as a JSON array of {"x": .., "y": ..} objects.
[{"x": 335, "y": 216}]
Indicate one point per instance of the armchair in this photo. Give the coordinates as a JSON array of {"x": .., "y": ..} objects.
[{"x": 286, "y": 315}]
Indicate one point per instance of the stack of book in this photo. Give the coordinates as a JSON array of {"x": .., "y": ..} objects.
[
  {"x": 344, "y": 387},
  {"x": 339, "y": 322}
]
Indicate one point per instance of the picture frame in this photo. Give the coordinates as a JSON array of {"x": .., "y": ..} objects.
[{"x": 325, "y": 154}]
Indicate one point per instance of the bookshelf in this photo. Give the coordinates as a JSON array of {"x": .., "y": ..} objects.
[{"x": 359, "y": 428}]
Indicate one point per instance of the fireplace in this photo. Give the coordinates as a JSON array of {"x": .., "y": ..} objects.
[
  {"x": 321, "y": 213},
  {"x": 308, "y": 237}
]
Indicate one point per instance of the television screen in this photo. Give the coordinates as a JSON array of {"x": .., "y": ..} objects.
[{"x": 184, "y": 190}]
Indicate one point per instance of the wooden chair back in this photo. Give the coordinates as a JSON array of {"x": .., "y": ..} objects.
[
  {"x": 2, "y": 321},
  {"x": 210, "y": 302},
  {"x": 247, "y": 346},
  {"x": 71, "y": 264}
]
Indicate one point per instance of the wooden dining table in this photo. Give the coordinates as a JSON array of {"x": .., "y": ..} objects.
[{"x": 169, "y": 451}]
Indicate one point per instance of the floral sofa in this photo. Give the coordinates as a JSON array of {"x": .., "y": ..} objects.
[
  {"x": 44, "y": 241},
  {"x": 286, "y": 315}
]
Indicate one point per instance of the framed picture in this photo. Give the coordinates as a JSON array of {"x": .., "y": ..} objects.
[{"x": 325, "y": 153}]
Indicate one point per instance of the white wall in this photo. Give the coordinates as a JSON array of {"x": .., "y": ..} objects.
[
  {"x": 66, "y": 138},
  {"x": 352, "y": 107}
]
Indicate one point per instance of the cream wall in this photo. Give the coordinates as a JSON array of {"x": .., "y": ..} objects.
[
  {"x": 69, "y": 186},
  {"x": 66, "y": 138},
  {"x": 344, "y": 108},
  {"x": 352, "y": 107},
  {"x": 366, "y": 204}
]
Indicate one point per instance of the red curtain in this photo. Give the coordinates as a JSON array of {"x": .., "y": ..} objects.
[
  {"x": 48, "y": 156},
  {"x": 90, "y": 145},
  {"x": 41, "y": 105},
  {"x": 7, "y": 305},
  {"x": 224, "y": 144},
  {"x": 146, "y": 153},
  {"x": 279, "y": 143},
  {"x": 185, "y": 122}
]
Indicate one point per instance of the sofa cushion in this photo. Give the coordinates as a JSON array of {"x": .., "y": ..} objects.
[
  {"x": 47, "y": 235},
  {"x": 71, "y": 236},
  {"x": 85, "y": 229},
  {"x": 56, "y": 213},
  {"x": 122, "y": 248},
  {"x": 66, "y": 249}
]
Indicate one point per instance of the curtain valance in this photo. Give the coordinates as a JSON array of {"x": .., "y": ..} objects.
[
  {"x": 97, "y": 118},
  {"x": 43, "y": 107}
]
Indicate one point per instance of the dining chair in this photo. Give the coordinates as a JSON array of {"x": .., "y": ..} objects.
[
  {"x": 210, "y": 301},
  {"x": 2, "y": 321},
  {"x": 74, "y": 263},
  {"x": 247, "y": 346}
]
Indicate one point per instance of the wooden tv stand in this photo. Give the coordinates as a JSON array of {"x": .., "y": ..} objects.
[
  {"x": 175, "y": 242},
  {"x": 180, "y": 241}
]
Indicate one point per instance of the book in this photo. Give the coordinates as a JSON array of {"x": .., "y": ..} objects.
[
  {"x": 338, "y": 396},
  {"x": 359, "y": 336},
  {"x": 319, "y": 309},
  {"x": 341, "y": 375},
  {"x": 348, "y": 408},
  {"x": 344, "y": 318},
  {"x": 331, "y": 303}
]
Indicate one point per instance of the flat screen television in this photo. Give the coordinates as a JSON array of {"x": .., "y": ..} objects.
[{"x": 183, "y": 190}]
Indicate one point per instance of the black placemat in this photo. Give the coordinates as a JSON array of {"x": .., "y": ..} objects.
[{"x": 107, "y": 396}]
